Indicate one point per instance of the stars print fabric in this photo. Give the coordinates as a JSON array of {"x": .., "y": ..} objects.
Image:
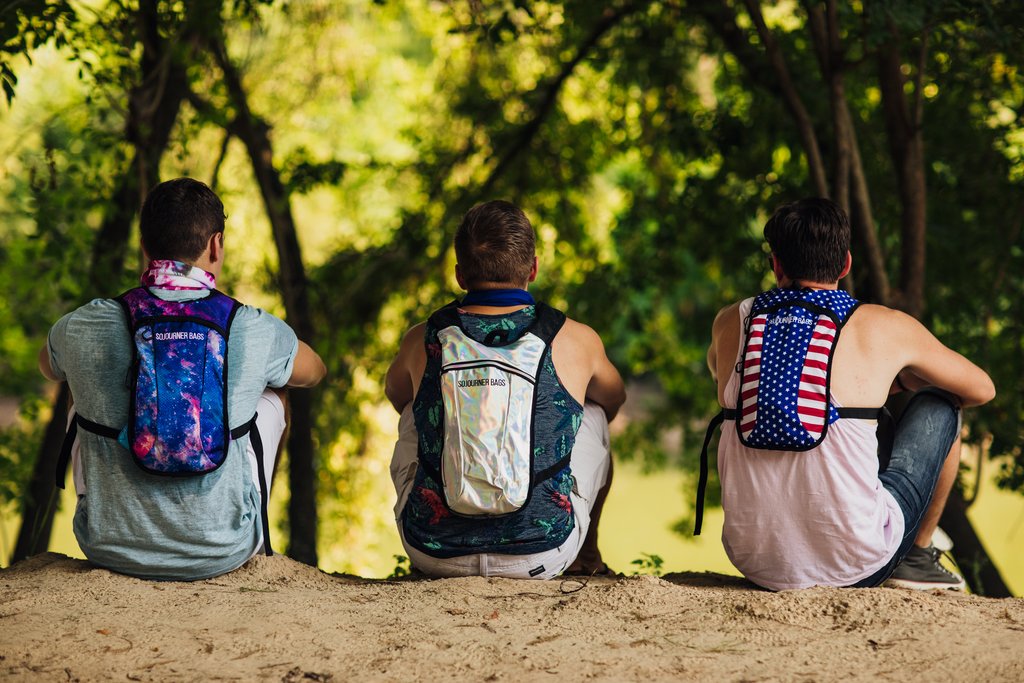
[{"x": 791, "y": 334}]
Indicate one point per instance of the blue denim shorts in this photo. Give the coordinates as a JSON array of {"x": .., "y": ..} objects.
[{"x": 922, "y": 437}]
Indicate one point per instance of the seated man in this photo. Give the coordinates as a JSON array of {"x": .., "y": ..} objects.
[
  {"x": 502, "y": 463},
  {"x": 801, "y": 373},
  {"x": 167, "y": 469}
]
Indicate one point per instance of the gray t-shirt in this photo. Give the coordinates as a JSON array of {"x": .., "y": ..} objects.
[{"x": 157, "y": 527}]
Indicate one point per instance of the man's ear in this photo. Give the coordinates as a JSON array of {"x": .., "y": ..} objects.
[
  {"x": 215, "y": 248},
  {"x": 849, "y": 264},
  {"x": 533, "y": 270},
  {"x": 780, "y": 275},
  {"x": 459, "y": 278}
]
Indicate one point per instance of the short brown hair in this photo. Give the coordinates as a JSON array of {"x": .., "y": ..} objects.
[
  {"x": 810, "y": 239},
  {"x": 178, "y": 219},
  {"x": 495, "y": 243}
]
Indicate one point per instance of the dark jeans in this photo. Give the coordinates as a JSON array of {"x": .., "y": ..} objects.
[{"x": 924, "y": 432}]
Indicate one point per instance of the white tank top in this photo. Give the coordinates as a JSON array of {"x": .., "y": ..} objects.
[{"x": 812, "y": 518}]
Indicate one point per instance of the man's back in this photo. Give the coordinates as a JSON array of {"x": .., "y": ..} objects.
[
  {"x": 796, "y": 519},
  {"x": 874, "y": 346},
  {"x": 164, "y": 527},
  {"x": 544, "y": 520}
]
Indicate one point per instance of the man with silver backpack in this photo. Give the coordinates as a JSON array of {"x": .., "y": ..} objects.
[{"x": 502, "y": 463}]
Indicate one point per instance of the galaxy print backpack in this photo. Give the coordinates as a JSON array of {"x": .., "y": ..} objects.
[
  {"x": 178, "y": 411},
  {"x": 785, "y": 372}
]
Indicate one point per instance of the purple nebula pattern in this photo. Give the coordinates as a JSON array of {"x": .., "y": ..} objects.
[{"x": 179, "y": 425}]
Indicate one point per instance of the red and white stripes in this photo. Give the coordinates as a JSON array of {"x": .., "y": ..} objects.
[
  {"x": 751, "y": 376},
  {"x": 812, "y": 397}
]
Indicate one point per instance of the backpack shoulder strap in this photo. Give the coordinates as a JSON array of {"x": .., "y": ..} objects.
[
  {"x": 69, "y": 441},
  {"x": 547, "y": 323},
  {"x": 253, "y": 431},
  {"x": 446, "y": 316},
  {"x": 702, "y": 481}
]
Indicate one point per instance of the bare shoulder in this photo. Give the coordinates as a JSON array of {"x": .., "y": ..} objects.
[
  {"x": 414, "y": 335},
  {"x": 727, "y": 316},
  {"x": 883, "y": 322},
  {"x": 579, "y": 335}
]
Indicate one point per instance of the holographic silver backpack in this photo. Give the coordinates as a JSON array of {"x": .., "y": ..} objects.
[{"x": 489, "y": 398}]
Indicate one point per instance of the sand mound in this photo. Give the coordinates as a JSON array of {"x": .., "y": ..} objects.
[{"x": 275, "y": 619}]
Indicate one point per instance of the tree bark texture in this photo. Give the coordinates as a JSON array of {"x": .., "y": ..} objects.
[
  {"x": 906, "y": 147},
  {"x": 981, "y": 574},
  {"x": 152, "y": 113},
  {"x": 254, "y": 134},
  {"x": 849, "y": 183}
]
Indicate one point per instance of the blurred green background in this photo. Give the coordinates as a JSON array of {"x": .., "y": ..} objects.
[{"x": 648, "y": 141}]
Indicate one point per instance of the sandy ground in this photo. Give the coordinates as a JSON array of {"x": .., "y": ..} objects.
[{"x": 275, "y": 619}]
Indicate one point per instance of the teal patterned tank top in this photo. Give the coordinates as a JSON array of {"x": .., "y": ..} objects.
[{"x": 546, "y": 520}]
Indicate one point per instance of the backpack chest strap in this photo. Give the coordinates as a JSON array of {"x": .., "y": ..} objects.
[{"x": 731, "y": 414}]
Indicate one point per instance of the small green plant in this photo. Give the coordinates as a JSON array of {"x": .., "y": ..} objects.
[
  {"x": 402, "y": 567},
  {"x": 648, "y": 563}
]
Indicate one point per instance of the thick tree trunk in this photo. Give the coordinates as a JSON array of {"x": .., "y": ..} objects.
[
  {"x": 791, "y": 98},
  {"x": 906, "y": 147},
  {"x": 850, "y": 189},
  {"x": 254, "y": 133},
  {"x": 43, "y": 497},
  {"x": 970, "y": 555},
  {"x": 153, "y": 110}
]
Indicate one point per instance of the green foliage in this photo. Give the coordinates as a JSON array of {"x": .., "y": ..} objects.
[
  {"x": 402, "y": 567},
  {"x": 648, "y": 563},
  {"x": 644, "y": 152},
  {"x": 25, "y": 26}
]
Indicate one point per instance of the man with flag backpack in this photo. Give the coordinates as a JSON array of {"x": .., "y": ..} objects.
[
  {"x": 502, "y": 463},
  {"x": 178, "y": 411},
  {"x": 802, "y": 372}
]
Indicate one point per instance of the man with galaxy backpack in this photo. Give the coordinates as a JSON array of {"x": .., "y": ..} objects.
[
  {"x": 174, "y": 433},
  {"x": 802, "y": 371},
  {"x": 503, "y": 462}
]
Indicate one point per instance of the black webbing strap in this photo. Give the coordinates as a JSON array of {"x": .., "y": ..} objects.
[
  {"x": 731, "y": 414},
  {"x": 702, "y": 481},
  {"x": 257, "y": 447},
  {"x": 551, "y": 471},
  {"x": 861, "y": 413},
  {"x": 69, "y": 441}
]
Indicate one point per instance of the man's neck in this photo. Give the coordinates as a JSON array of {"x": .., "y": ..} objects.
[
  {"x": 477, "y": 300},
  {"x": 786, "y": 283}
]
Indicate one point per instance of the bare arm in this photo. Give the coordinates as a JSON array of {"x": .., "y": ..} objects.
[
  {"x": 308, "y": 368},
  {"x": 44, "y": 364},
  {"x": 398, "y": 383},
  {"x": 606, "y": 387},
  {"x": 929, "y": 362}
]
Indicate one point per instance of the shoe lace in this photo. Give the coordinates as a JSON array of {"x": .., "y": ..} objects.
[{"x": 936, "y": 557}]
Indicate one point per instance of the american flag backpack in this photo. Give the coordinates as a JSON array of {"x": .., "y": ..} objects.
[{"x": 785, "y": 370}]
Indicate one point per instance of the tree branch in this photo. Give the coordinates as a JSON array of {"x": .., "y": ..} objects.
[
  {"x": 792, "y": 99},
  {"x": 550, "y": 94}
]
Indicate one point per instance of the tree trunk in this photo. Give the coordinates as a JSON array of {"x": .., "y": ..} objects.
[
  {"x": 153, "y": 110},
  {"x": 850, "y": 189},
  {"x": 906, "y": 147},
  {"x": 254, "y": 133},
  {"x": 43, "y": 497},
  {"x": 970, "y": 555},
  {"x": 791, "y": 98}
]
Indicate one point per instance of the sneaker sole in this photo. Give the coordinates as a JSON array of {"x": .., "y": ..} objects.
[{"x": 924, "y": 585}]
